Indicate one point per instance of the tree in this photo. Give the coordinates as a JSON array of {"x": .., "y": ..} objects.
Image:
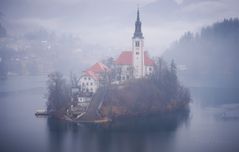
[
  {"x": 166, "y": 81},
  {"x": 59, "y": 94},
  {"x": 109, "y": 62},
  {"x": 173, "y": 79},
  {"x": 74, "y": 80}
]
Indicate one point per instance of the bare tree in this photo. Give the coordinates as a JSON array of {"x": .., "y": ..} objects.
[
  {"x": 59, "y": 94},
  {"x": 74, "y": 80}
]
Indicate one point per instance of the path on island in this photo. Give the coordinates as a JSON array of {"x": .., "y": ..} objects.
[{"x": 96, "y": 103}]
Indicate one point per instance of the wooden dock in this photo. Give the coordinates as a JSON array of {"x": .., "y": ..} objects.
[
  {"x": 99, "y": 121},
  {"x": 41, "y": 113}
]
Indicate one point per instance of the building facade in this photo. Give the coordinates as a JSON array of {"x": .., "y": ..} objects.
[{"x": 90, "y": 79}]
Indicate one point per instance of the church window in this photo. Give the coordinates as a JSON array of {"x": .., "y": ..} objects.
[{"x": 137, "y": 43}]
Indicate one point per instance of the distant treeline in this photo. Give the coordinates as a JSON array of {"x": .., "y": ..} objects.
[{"x": 210, "y": 57}]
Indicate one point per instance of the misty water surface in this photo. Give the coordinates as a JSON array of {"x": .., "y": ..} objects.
[{"x": 207, "y": 128}]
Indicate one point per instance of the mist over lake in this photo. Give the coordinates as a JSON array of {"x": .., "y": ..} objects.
[
  {"x": 119, "y": 76},
  {"x": 205, "y": 129}
]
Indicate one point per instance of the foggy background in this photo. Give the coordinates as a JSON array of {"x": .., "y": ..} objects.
[
  {"x": 69, "y": 35},
  {"x": 38, "y": 37}
]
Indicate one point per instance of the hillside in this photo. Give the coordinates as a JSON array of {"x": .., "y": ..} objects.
[{"x": 208, "y": 58}]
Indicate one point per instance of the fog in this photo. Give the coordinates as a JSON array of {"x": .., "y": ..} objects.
[
  {"x": 78, "y": 29},
  {"x": 187, "y": 101},
  {"x": 209, "y": 57},
  {"x": 97, "y": 22}
]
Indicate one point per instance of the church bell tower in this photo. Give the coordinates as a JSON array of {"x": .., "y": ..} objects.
[{"x": 138, "y": 49}]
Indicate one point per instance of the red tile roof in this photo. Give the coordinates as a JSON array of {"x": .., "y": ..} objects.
[
  {"x": 98, "y": 67},
  {"x": 126, "y": 58},
  {"x": 147, "y": 60},
  {"x": 91, "y": 74},
  {"x": 95, "y": 70}
]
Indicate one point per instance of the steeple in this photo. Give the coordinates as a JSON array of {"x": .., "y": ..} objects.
[{"x": 138, "y": 33}]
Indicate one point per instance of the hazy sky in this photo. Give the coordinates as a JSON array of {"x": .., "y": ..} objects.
[{"x": 110, "y": 23}]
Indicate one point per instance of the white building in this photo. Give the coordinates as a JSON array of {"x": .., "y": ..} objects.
[{"x": 90, "y": 79}]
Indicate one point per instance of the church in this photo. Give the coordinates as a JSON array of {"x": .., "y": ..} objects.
[{"x": 133, "y": 64}]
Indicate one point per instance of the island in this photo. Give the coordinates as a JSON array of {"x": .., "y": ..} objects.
[{"x": 131, "y": 90}]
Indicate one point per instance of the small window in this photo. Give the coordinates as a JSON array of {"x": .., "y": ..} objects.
[
  {"x": 137, "y": 43},
  {"x": 87, "y": 83},
  {"x": 84, "y": 78},
  {"x": 83, "y": 83},
  {"x": 137, "y": 53},
  {"x": 91, "y": 84},
  {"x": 89, "y": 78},
  {"x": 150, "y": 69},
  {"x": 123, "y": 78}
]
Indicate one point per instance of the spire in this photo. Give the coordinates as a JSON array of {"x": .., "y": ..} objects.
[
  {"x": 138, "y": 19},
  {"x": 138, "y": 33}
]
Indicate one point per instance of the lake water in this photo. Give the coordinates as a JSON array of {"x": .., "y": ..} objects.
[{"x": 213, "y": 125}]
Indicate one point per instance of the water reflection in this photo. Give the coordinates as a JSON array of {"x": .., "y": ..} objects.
[
  {"x": 210, "y": 96},
  {"x": 142, "y": 135},
  {"x": 211, "y": 127},
  {"x": 57, "y": 132}
]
